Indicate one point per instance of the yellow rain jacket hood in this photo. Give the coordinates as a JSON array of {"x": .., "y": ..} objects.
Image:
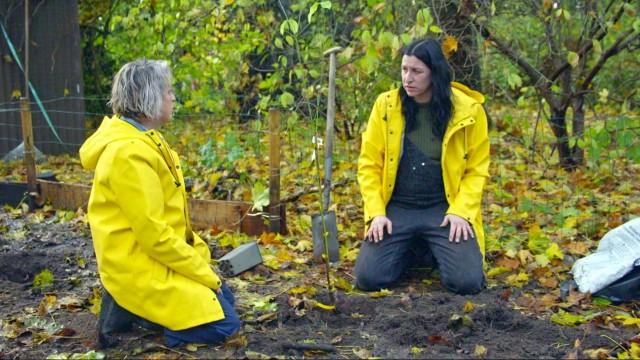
[
  {"x": 465, "y": 156},
  {"x": 148, "y": 258}
]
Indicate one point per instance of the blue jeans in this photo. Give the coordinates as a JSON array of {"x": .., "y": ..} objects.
[
  {"x": 211, "y": 333},
  {"x": 417, "y": 233}
]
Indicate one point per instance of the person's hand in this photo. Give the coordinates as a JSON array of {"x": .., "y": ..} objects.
[
  {"x": 377, "y": 227},
  {"x": 460, "y": 228},
  {"x": 218, "y": 290}
]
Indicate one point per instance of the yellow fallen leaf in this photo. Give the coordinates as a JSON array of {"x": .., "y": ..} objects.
[
  {"x": 517, "y": 280},
  {"x": 303, "y": 245},
  {"x": 480, "y": 350},
  {"x": 628, "y": 320},
  {"x": 499, "y": 270},
  {"x": 298, "y": 290},
  {"x": 632, "y": 353},
  {"x": 381, "y": 293},
  {"x": 567, "y": 319},
  {"x": 324, "y": 306},
  {"x": 344, "y": 284},
  {"x": 599, "y": 353},
  {"x": 468, "y": 307},
  {"x": 191, "y": 347},
  {"x": 554, "y": 252},
  {"x": 47, "y": 304}
]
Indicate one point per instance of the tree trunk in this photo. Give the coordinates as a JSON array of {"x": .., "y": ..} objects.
[
  {"x": 465, "y": 62},
  {"x": 558, "y": 124},
  {"x": 578, "y": 129}
]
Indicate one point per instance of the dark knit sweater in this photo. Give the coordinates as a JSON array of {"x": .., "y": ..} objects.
[{"x": 422, "y": 135}]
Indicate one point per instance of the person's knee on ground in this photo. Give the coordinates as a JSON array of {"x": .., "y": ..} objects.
[
  {"x": 212, "y": 333},
  {"x": 464, "y": 282},
  {"x": 372, "y": 278}
]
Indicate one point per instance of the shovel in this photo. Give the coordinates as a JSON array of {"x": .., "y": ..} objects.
[{"x": 325, "y": 223}]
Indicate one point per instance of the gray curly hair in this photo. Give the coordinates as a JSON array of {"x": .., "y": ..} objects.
[{"x": 138, "y": 88}]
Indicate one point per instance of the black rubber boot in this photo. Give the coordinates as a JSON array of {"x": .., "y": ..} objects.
[{"x": 113, "y": 319}]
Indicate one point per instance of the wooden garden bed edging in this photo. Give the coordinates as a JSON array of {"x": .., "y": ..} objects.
[{"x": 204, "y": 214}]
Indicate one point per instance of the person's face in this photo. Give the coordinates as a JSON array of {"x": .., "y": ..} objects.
[
  {"x": 168, "y": 97},
  {"x": 416, "y": 79}
]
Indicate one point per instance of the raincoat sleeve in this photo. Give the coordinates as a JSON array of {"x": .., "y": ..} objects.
[
  {"x": 201, "y": 247},
  {"x": 139, "y": 190},
  {"x": 467, "y": 203},
  {"x": 371, "y": 164}
]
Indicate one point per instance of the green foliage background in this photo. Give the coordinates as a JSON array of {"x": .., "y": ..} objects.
[{"x": 235, "y": 59}]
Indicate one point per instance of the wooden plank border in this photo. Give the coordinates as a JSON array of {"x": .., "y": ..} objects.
[{"x": 204, "y": 214}]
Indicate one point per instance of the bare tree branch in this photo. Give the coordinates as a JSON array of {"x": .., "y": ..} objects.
[
  {"x": 615, "y": 49},
  {"x": 589, "y": 44},
  {"x": 539, "y": 80}
]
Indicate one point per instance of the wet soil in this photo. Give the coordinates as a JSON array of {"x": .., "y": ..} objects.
[{"x": 419, "y": 320}]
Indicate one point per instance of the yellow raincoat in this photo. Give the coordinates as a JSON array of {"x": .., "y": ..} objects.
[
  {"x": 148, "y": 258},
  {"x": 465, "y": 156}
]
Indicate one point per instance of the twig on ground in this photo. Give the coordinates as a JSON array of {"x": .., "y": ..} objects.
[{"x": 615, "y": 342}]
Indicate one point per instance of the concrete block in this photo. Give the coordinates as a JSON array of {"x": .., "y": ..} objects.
[{"x": 240, "y": 259}]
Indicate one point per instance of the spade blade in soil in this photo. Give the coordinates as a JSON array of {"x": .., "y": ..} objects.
[{"x": 318, "y": 241}]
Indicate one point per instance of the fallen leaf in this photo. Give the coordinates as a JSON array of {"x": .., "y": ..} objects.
[
  {"x": 480, "y": 351},
  {"x": 517, "y": 280},
  {"x": 269, "y": 239},
  {"x": 362, "y": 353},
  {"x": 628, "y": 320},
  {"x": 468, "y": 306},
  {"x": 499, "y": 270},
  {"x": 507, "y": 263},
  {"x": 551, "y": 283},
  {"x": 191, "y": 347},
  {"x": 381, "y": 293},
  {"x": 505, "y": 294},
  {"x": 323, "y": 306},
  {"x": 438, "y": 340},
  {"x": 236, "y": 341},
  {"x": 344, "y": 284},
  {"x": 267, "y": 317},
  {"x": 599, "y": 353},
  {"x": 303, "y": 245},
  {"x": 47, "y": 304},
  {"x": 554, "y": 252},
  {"x": 65, "y": 332},
  {"x": 576, "y": 247},
  {"x": 256, "y": 355}
]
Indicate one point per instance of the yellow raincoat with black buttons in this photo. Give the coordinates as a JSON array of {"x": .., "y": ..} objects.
[
  {"x": 465, "y": 156},
  {"x": 148, "y": 257}
]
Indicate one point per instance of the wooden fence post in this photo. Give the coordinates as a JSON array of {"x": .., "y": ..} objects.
[
  {"x": 27, "y": 139},
  {"x": 274, "y": 172}
]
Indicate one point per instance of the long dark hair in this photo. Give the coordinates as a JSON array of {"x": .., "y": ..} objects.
[{"x": 440, "y": 106}]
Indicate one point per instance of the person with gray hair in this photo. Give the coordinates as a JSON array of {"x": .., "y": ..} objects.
[{"x": 154, "y": 268}]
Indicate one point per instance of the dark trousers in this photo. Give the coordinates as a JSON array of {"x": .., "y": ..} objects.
[
  {"x": 211, "y": 333},
  {"x": 114, "y": 319},
  {"x": 416, "y": 234}
]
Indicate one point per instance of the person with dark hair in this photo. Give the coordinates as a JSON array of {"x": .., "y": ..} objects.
[
  {"x": 154, "y": 268},
  {"x": 423, "y": 164}
]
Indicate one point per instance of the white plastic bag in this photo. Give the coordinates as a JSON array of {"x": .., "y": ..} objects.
[{"x": 617, "y": 253}]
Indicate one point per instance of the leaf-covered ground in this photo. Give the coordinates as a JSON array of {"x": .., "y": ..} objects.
[{"x": 539, "y": 220}]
